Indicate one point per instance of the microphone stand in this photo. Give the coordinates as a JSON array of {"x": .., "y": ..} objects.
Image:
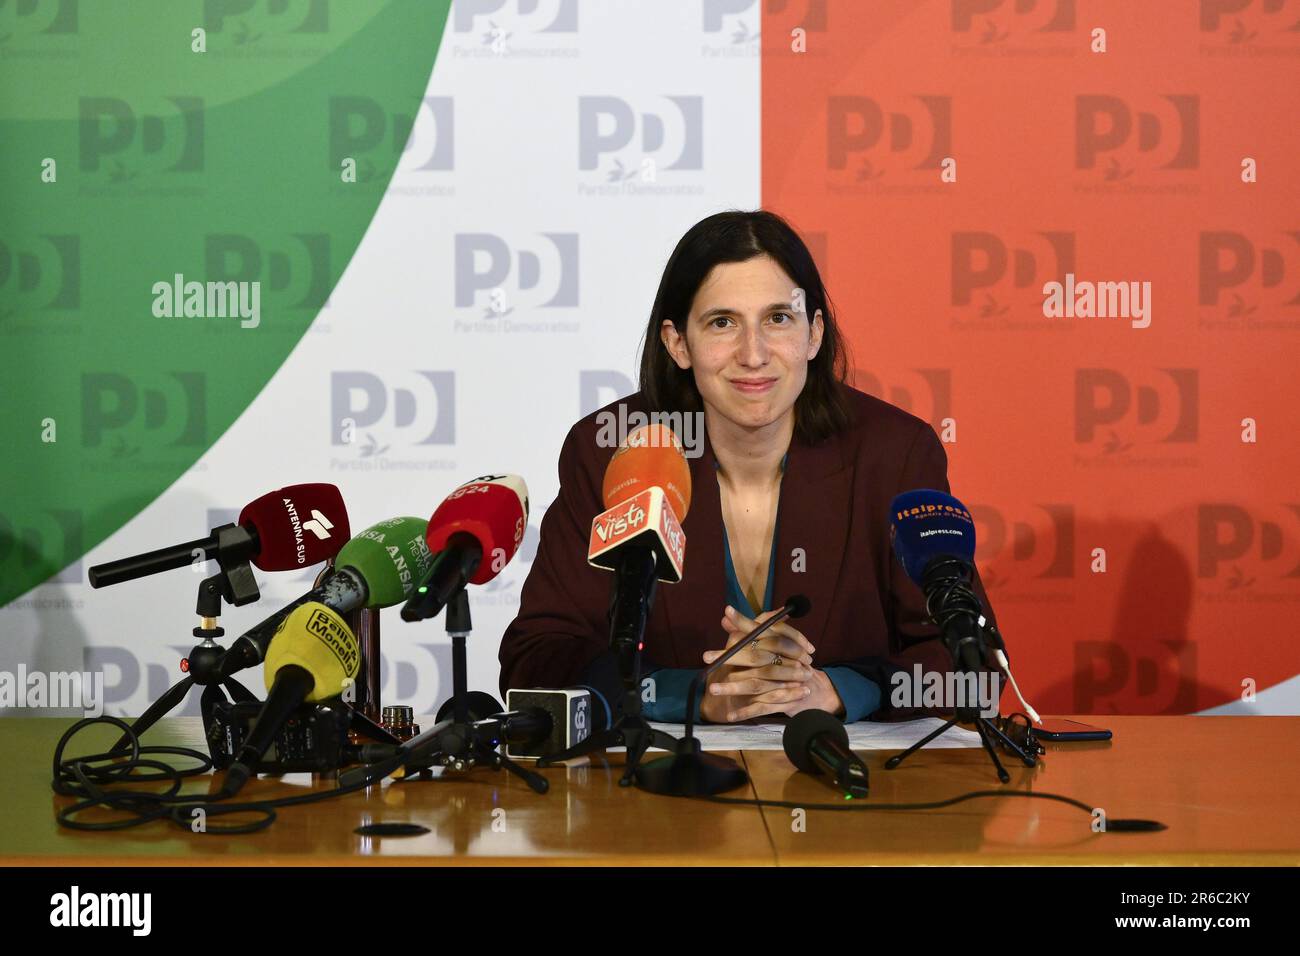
[
  {"x": 459, "y": 740},
  {"x": 690, "y": 772},
  {"x": 364, "y": 713},
  {"x": 967, "y": 651},
  {"x": 631, "y": 730},
  {"x": 235, "y": 584}
]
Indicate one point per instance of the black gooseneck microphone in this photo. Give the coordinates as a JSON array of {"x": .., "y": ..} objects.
[
  {"x": 690, "y": 771},
  {"x": 796, "y": 606},
  {"x": 817, "y": 743}
]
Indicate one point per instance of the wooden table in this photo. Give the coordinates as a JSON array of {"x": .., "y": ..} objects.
[{"x": 1226, "y": 786}]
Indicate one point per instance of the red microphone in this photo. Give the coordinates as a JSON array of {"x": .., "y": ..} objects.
[
  {"x": 297, "y": 526},
  {"x": 294, "y": 527},
  {"x": 475, "y": 532}
]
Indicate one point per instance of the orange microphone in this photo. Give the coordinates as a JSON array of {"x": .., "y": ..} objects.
[
  {"x": 644, "y": 461},
  {"x": 647, "y": 492}
]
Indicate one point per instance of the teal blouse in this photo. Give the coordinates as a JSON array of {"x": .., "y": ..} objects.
[{"x": 860, "y": 695}]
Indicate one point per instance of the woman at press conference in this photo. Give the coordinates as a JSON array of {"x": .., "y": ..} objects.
[{"x": 790, "y": 495}]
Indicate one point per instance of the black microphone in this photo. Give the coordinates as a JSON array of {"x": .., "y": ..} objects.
[
  {"x": 572, "y": 719},
  {"x": 817, "y": 743},
  {"x": 523, "y": 728},
  {"x": 482, "y": 519},
  {"x": 452, "y": 569}
]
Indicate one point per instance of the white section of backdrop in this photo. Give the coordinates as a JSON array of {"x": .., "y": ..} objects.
[{"x": 511, "y": 265}]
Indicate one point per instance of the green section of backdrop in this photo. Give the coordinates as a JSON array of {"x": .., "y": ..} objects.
[{"x": 126, "y": 159}]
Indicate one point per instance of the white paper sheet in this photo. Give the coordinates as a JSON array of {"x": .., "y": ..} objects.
[{"x": 863, "y": 735}]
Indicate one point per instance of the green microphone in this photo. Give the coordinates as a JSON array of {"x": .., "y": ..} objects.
[{"x": 379, "y": 567}]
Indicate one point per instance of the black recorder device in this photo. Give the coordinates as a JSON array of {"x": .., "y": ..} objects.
[{"x": 313, "y": 740}]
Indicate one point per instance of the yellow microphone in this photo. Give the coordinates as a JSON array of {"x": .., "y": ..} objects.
[
  {"x": 313, "y": 656},
  {"x": 316, "y": 640}
]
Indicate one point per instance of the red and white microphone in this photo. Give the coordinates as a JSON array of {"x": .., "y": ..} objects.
[{"x": 475, "y": 533}]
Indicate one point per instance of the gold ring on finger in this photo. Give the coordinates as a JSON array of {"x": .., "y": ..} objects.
[{"x": 776, "y": 660}]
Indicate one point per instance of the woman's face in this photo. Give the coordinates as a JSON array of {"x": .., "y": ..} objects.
[{"x": 745, "y": 340}]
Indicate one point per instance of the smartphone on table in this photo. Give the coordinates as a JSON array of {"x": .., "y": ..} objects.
[{"x": 1061, "y": 729}]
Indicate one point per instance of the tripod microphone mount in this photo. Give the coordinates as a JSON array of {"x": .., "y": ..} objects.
[{"x": 952, "y": 604}]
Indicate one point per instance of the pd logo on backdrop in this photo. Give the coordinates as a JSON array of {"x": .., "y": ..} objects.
[
  {"x": 544, "y": 30},
  {"x": 623, "y": 142},
  {"x": 294, "y": 269},
  {"x": 361, "y": 129},
  {"x": 247, "y": 21},
  {"x": 989, "y": 273},
  {"x": 1251, "y": 550},
  {"x": 993, "y": 23},
  {"x": 741, "y": 21},
  {"x": 1249, "y": 27},
  {"x": 122, "y": 414},
  {"x": 41, "y": 27},
  {"x": 868, "y": 140},
  {"x": 499, "y": 278},
  {"x": 40, "y": 274},
  {"x": 538, "y": 16},
  {"x": 1124, "y": 419},
  {"x": 925, "y": 392},
  {"x": 371, "y": 414},
  {"x": 122, "y": 141},
  {"x": 1241, "y": 274},
  {"x": 1031, "y": 546},
  {"x": 1120, "y": 137},
  {"x": 54, "y": 540},
  {"x": 598, "y": 387}
]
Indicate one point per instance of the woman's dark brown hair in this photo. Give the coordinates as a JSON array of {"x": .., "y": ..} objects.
[{"x": 737, "y": 236}]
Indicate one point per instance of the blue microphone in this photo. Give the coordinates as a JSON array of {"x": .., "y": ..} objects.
[
  {"x": 933, "y": 535},
  {"x": 926, "y": 524}
]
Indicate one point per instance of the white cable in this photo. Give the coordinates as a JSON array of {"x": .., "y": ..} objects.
[{"x": 1006, "y": 666}]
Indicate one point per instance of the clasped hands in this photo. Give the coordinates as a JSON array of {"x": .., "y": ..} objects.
[{"x": 775, "y": 675}]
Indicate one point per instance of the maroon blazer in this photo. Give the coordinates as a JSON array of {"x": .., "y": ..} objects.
[{"x": 834, "y": 505}]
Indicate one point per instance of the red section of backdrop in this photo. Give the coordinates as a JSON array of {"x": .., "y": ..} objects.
[{"x": 1074, "y": 434}]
